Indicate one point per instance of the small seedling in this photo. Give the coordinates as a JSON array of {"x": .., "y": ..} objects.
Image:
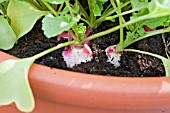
[
  {"x": 113, "y": 55},
  {"x": 76, "y": 54}
]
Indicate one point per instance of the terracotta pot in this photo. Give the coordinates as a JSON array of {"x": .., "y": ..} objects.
[{"x": 59, "y": 91}]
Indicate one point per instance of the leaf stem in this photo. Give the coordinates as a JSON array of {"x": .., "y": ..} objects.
[
  {"x": 146, "y": 1},
  {"x": 86, "y": 21},
  {"x": 39, "y": 4},
  {"x": 120, "y": 23},
  {"x": 144, "y": 52},
  {"x": 148, "y": 35},
  {"x": 68, "y": 5},
  {"x": 84, "y": 12},
  {"x": 148, "y": 16},
  {"x": 50, "y": 8},
  {"x": 53, "y": 49},
  {"x": 61, "y": 6},
  {"x": 108, "y": 13},
  {"x": 123, "y": 13},
  {"x": 2, "y": 9},
  {"x": 92, "y": 18},
  {"x": 72, "y": 34},
  {"x": 114, "y": 29}
]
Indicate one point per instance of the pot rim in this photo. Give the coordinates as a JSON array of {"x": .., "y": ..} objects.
[{"x": 79, "y": 89}]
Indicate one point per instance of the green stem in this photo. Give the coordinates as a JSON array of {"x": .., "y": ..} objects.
[
  {"x": 103, "y": 17},
  {"x": 86, "y": 21},
  {"x": 146, "y": 1},
  {"x": 124, "y": 13},
  {"x": 107, "y": 9},
  {"x": 84, "y": 12},
  {"x": 40, "y": 4},
  {"x": 72, "y": 34},
  {"x": 113, "y": 29},
  {"x": 53, "y": 49},
  {"x": 120, "y": 23},
  {"x": 92, "y": 18},
  {"x": 110, "y": 12},
  {"x": 61, "y": 6},
  {"x": 144, "y": 52},
  {"x": 50, "y": 8},
  {"x": 148, "y": 35},
  {"x": 68, "y": 5},
  {"x": 113, "y": 4},
  {"x": 2, "y": 9},
  {"x": 149, "y": 16}
]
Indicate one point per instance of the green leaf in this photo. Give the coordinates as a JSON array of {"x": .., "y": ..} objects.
[
  {"x": 96, "y": 6},
  {"x": 129, "y": 38},
  {"x": 96, "y": 10},
  {"x": 54, "y": 26},
  {"x": 159, "y": 6},
  {"x": 2, "y": 1},
  {"x": 141, "y": 32},
  {"x": 155, "y": 22},
  {"x": 15, "y": 85},
  {"x": 166, "y": 63},
  {"x": 132, "y": 27},
  {"x": 64, "y": 11},
  {"x": 23, "y": 18},
  {"x": 80, "y": 29},
  {"x": 7, "y": 35},
  {"x": 74, "y": 9},
  {"x": 55, "y": 1},
  {"x": 3, "y": 7},
  {"x": 141, "y": 7},
  {"x": 137, "y": 4},
  {"x": 155, "y": 7},
  {"x": 167, "y": 21}
]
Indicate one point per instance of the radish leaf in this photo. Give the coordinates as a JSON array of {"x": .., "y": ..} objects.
[
  {"x": 54, "y": 26},
  {"x": 7, "y": 35},
  {"x": 14, "y": 84},
  {"x": 23, "y": 18},
  {"x": 55, "y": 1}
]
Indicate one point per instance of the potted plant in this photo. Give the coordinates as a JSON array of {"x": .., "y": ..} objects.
[{"x": 63, "y": 91}]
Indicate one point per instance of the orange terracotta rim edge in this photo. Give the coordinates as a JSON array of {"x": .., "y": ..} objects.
[{"x": 80, "y": 89}]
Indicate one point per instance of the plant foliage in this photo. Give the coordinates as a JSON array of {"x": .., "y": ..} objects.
[{"x": 70, "y": 20}]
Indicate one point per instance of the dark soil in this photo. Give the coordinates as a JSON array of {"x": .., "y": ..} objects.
[{"x": 132, "y": 64}]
